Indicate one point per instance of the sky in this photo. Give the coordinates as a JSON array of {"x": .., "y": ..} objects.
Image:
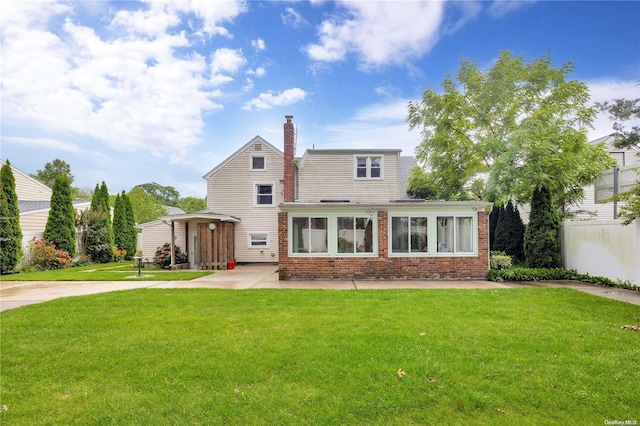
[{"x": 162, "y": 91}]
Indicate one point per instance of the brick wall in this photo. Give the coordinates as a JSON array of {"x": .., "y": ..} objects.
[
  {"x": 384, "y": 267},
  {"x": 289, "y": 155}
]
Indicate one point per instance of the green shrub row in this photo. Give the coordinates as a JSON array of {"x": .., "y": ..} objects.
[{"x": 542, "y": 274}]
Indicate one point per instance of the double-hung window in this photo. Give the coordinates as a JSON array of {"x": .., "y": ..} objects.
[
  {"x": 263, "y": 194},
  {"x": 409, "y": 234},
  {"x": 368, "y": 167}
]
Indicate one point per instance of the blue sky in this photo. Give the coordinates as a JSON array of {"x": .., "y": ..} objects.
[{"x": 162, "y": 91}]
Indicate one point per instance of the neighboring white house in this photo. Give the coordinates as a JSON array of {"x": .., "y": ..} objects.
[{"x": 34, "y": 199}]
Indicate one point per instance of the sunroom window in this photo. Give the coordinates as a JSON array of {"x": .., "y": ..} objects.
[
  {"x": 355, "y": 234},
  {"x": 309, "y": 235},
  {"x": 409, "y": 234},
  {"x": 455, "y": 234}
]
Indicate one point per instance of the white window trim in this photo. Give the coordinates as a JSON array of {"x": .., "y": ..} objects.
[
  {"x": 368, "y": 157},
  {"x": 249, "y": 240},
  {"x": 432, "y": 234},
  {"x": 252, "y": 156},
  {"x": 332, "y": 235},
  {"x": 255, "y": 194}
]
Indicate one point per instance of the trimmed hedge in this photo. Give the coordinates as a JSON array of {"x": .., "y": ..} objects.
[{"x": 545, "y": 274}]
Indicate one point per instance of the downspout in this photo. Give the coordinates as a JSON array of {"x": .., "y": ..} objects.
[{"x": 172, "y": 245}]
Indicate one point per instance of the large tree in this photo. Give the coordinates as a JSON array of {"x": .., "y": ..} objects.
[
  {"x": 61, "y": 225},
  {"x": 131, "y": 225},
  {"x": 509, "y": 233},
  {"x": 51, "y": 170},
  {"x": 10, "y": 231},
  {"x": 192, "y": 204},
  {"x": 521, "y": 124},
  {"x": 146, "y": 207},
  {"x": 620, "y": 111},
  {"x": 167, "y": 195},
  {"x": 123, "y": 236}
]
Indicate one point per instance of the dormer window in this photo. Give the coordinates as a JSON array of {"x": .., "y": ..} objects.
[
  {"x": 258, "y": 162},
  {"x": 368, "y": 167}
]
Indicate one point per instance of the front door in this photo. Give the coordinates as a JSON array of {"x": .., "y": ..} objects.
[{"x": 193, "y": 249}]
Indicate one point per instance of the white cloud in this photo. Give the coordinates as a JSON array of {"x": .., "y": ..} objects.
[
  {"x": 293, "y": 18},
  {"x": 607, "y": 90},
  {"x": 269, "y": 100},
  {"x": 500, "y": 8},
  {"x": 258, "y": 44},
  {"x": 258, "y": 72},
  {"x": 42, "y": 143},
  {"x": 376, "y": 126},
  {"x": 379, "y": 33},
  {"x": 146, "y": 90}
]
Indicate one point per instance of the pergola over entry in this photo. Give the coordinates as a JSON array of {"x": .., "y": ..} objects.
[{"x": 215, "y": 238}]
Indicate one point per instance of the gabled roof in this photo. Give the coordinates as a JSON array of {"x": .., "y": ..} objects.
[
  {"x": 31, "y": 180},
  {"x": 205, "y": 215},
  {"x": 609, "y": 140},
  {"x": 257, "y": 139}
]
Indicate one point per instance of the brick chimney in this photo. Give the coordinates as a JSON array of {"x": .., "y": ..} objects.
[{"x": 289, "y": 155}]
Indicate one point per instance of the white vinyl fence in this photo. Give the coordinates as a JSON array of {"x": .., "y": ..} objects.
[{"x": 603, "y": 248}]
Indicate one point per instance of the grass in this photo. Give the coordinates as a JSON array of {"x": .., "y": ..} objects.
[
  {"x": 123, "y": 271},
  {"x": 268, "y": 357}
]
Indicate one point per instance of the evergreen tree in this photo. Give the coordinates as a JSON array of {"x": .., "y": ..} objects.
[
  {"x": 104, "y": 202},
  {"x": 98, "y": 238},
  {"x": 10, "y": 232},
  {"x": 120, "y": 234},
  {"x": 131, "y": 226},
  {"x": 494, "y": 216},
  {"x": 95, "y": 200},
  {"x": 541, "y": 245},
  {"x": 61, "y": 223},
  {"x": 509, "y": 233}
]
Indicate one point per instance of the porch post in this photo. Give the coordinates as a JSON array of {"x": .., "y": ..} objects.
[{"x": 172, "y": 245}]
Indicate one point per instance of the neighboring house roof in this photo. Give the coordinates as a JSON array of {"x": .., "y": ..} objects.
[
  {"x": 28, "y": 206},
  {"x": 257, "y": 139},
  {"x": 406, "y": 164},
  {"x": 173, "y": 210},
  {"x": 28, "y": 188}
]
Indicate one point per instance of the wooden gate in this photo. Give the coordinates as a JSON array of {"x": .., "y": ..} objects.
[{"x": 215, "y": 247}]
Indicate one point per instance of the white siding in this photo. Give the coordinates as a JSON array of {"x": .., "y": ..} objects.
[
  {"x": 29, "y": 189},
  {"x": 155, "y": 235},
  {"x": 330, "y": 176},
  {"x": 230, "y": 190}
]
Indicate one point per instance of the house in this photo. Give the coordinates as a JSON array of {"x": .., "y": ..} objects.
[
  {"x": 329, "y": 214},
  {"x": 589, "y": 208},
  {"x": 34, "y": 199}
]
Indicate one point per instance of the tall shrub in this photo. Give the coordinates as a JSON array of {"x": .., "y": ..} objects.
[
  {"x": 95, "y": 237},
  {"x": 541, "y": 244},
  {"x": 131, "y": 225},
  {"x": 494, "y": 216},
  {"x": 61, "y": 223},
  {"x": 10, "y": 231},
  {"x": 509, "y": 233}
]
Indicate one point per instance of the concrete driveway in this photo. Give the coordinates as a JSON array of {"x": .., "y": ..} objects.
[{"x": 14, "y": 294}]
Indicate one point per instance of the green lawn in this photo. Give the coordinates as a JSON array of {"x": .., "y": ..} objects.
[
  {"x": 123, "y": 271},
  {"x": 267, "y": 357}
]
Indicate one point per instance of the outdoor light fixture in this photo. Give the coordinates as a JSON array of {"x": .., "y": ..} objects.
[{"x": 212, "y": 226}]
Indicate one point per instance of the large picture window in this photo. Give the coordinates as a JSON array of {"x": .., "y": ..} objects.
[
  {"x": 309, "y": 235},
  {"x": 355, "y": 234},
  {"x": 409, "y": 234}
]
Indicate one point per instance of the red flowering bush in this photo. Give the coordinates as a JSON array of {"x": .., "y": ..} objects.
[
  {"x": 42, "y": 255},
  {"x": 163, "y": 256}
]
